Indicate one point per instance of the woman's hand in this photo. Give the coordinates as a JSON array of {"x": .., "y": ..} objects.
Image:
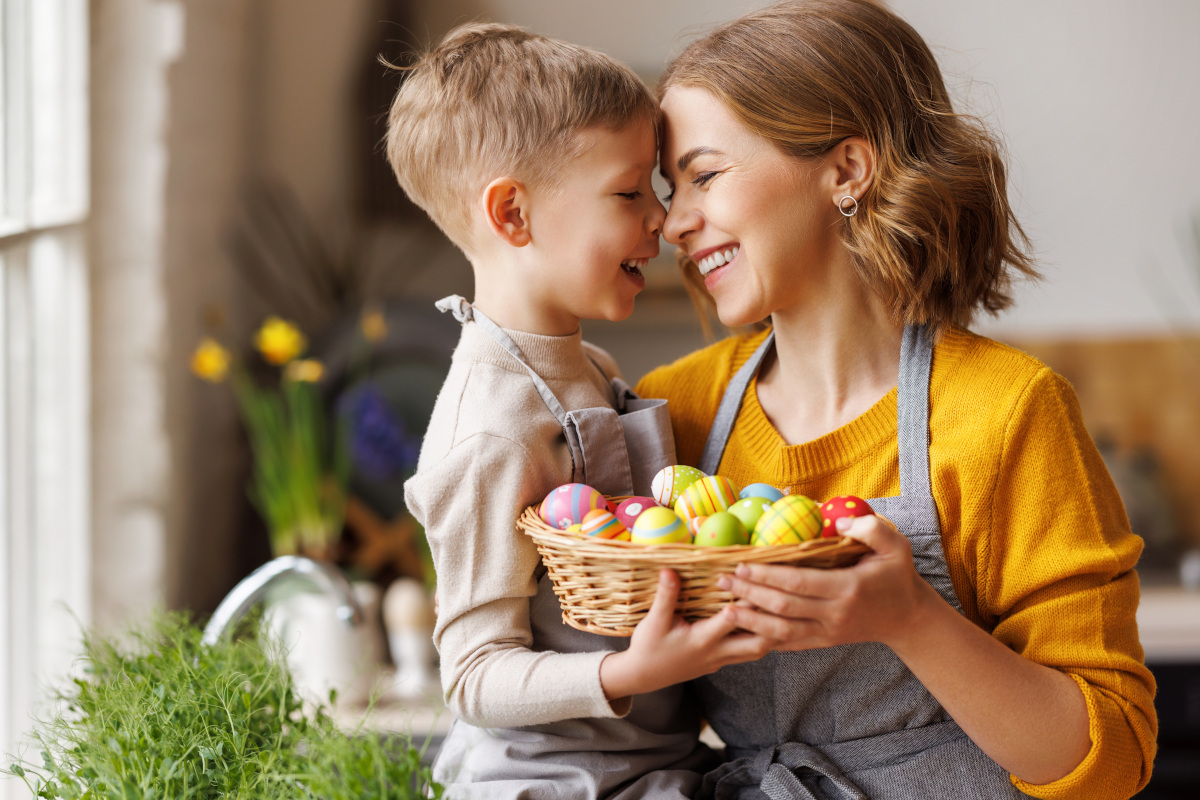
[
  {"x": 879, "y": 599},
  {"x": 1030, "y": 718},
  {"x": 666, "y": 649}
]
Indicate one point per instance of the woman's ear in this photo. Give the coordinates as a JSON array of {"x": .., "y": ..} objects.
[
  {"x": 506, "y": 210},
  {"x": 853, "y": 160}
]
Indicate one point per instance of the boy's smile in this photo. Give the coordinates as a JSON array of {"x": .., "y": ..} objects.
[{"x": 596, "y": 229}]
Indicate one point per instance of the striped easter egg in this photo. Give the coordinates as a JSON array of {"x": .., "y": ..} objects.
[
  {"x": 603, "y": 524},
  {"x": 706, "y": 496},
  {"x": 659, "y": 525},
  {"x": 670, "y": 482},
  {"x": 790, "y": 520},
  {"x": 569, "y": 503}
]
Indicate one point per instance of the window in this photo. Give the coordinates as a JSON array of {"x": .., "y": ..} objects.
[{"x": 44, "y": 352}]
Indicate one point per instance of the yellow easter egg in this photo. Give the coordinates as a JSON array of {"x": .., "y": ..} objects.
[
  {"x": 790, "y": 520},
  {"x": 706, "y": 496},
  {"x": 659, "y": 525}
]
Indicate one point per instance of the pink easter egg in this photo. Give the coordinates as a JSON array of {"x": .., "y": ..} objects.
[
  {"x": 569, "y": 503},
  {"x": 628, "y": 510}
]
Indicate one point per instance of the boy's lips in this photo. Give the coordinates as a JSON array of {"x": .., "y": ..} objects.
[
  {"x": 633, "y": 268},
  {"x": 711, "y": 258}
]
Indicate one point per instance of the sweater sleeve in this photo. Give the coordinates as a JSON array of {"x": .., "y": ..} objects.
[
  {"x": 1056, "y": 578},
  {"x": 468, "y": 502}
]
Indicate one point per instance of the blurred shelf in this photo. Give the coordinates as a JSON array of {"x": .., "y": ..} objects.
[{"x": 1169, "y": 624}]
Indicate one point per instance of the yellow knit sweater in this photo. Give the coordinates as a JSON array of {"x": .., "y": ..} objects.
[{"x": 1035, "y": 535}]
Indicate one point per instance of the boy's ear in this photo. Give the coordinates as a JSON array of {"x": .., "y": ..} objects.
[{"x": 506, "y": 209}]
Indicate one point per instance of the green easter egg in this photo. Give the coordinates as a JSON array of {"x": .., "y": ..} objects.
[
  {"x": 750, "y": 510},
  {"x": 721, "y": 530}
]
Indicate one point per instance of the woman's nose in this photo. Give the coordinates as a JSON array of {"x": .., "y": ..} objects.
[{"x": 680, "y": 221}]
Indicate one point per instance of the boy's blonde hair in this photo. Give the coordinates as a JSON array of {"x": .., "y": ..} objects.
[{"x": 493, "y": 100}]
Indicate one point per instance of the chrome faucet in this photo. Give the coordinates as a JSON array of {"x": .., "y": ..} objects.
[{"x": 254, "y": 586}]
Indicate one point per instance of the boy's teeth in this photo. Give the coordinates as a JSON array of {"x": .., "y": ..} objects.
[
  {"x": 635, "y": 263},
  {"x": 718, "y": 259}
]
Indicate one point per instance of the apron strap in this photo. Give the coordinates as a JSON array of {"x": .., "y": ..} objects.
[
  {"x": 463, "y": 311},
  {"x": 731, "y": 404},
  {"x": 912, "y": 410}
]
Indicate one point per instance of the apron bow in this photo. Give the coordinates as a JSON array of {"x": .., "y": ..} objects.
[{"x": 457, "y": 305}]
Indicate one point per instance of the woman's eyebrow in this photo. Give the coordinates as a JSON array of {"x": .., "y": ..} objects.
[{"x": 693, "y": 154}]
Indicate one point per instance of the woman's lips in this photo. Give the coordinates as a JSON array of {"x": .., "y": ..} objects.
[{"x": 717, "y": 257}]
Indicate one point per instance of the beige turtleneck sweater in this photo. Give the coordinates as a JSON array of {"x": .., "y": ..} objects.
[{"x": 492, "y": 449}]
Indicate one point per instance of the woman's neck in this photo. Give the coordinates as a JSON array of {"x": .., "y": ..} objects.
[{"x": 832, "y": 361}]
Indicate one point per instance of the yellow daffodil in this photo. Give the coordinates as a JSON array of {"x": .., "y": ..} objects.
[
  {"x": 279, "y": 341},
  {"x": 374, "y": 327},
  {"x": 304, "y": 370},
  {"x": 211, "y": 360}
]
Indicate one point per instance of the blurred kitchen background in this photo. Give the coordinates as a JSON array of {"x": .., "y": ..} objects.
[{"x": 173, "y": 169}]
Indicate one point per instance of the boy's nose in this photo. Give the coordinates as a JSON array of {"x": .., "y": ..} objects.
[{"x": 656, "y": 218}]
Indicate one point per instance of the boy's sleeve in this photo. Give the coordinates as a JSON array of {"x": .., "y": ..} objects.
[
  {"x": 469, "y": 502},
  {"x": 1057, "y": 580}
]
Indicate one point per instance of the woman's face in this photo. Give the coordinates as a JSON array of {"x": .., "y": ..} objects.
[{"x": 762, "y": 225}]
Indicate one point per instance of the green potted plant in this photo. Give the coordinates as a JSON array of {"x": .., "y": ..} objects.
[{"x": 167, "y": 717}]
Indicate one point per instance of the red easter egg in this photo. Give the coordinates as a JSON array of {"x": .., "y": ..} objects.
[
  {"x": 629, "y": 509},
  {"x": 847, "y": 506}
]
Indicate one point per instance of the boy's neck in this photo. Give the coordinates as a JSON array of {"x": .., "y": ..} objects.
[{"x": 506, "y": 298}]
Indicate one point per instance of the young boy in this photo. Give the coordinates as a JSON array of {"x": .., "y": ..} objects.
[{"x": 534, "y": 156}]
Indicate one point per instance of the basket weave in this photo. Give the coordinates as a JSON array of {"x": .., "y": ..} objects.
[{"x": 606, "y": 586}]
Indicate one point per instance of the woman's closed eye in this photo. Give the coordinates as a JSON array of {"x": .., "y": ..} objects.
[{"x": 700, "y": 181}]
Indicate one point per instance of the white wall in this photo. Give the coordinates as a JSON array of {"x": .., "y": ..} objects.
[{"x": 1096, "y": 99}]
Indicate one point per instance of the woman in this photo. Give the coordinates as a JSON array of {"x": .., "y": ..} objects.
[{"x": 822, "y": 181}]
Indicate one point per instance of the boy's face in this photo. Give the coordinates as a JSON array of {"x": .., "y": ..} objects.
[{"x": 594, "y": 234}]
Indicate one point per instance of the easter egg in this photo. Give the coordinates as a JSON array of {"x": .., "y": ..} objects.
[
  {"x": 569, "y": 503},
  {"x": 659, "y": 526},
  {"x": 790, "y": 520},
  {"x": 629, "y": 509},
  {"x": 761, "y": 490},
  {"x": 844, "y": 506},
  {"x": 749, "y": 510},
  {"x": 574, "y": 527},
  {"x": 603, "y": 524},
  {"x": 721, "y": 530},
  {"x": 670, "y": 482},
  {"x": 706, "y": 496},
  {"x": 693, "y": 524}
]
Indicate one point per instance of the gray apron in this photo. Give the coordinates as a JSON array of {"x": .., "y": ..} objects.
[
  {"x": 848, "y": 722},
  {"x": 653, "y": 752}
]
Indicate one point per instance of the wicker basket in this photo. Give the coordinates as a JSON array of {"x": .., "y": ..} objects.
[{"x": 606, "y": 587}]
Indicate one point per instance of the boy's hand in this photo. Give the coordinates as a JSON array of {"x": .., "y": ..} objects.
[{"x": 666, "y": 649}]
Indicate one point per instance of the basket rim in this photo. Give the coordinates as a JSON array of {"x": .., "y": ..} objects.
[{"x": 531, "y": 523}]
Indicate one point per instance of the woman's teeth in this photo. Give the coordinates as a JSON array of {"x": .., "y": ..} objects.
[
  {"x": 718, "y": 259},
  {"x": 635, "y": 265}
]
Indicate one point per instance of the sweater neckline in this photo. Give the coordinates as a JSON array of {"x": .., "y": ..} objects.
[
  {"x": 552, "y": 357},
  {"x": 789, "y": 464}
]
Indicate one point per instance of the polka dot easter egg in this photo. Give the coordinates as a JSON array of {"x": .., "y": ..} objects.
[
  {"x": 659, "y": 526},
  {"x": 706, "y": 496},
  {"x": 629, "y": 509},
  {"x": 603, "y": 524},
  {"x": 670, "y": 482},
  {"x": 761, "y": 490},
  {"x": 569, "y": 504},
  {"x": 844, "y": 506},
  {"x": 790, "y": 520}
]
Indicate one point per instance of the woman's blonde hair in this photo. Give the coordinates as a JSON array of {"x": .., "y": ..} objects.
[{"x": 934, "y": 236}]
